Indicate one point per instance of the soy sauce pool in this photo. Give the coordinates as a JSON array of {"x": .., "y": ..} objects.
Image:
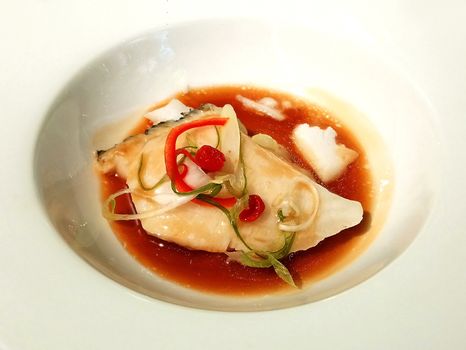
[{"x": 211, "y": 272}]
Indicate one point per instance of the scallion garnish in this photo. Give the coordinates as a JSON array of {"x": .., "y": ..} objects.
[
  {"x": 280, "y": 215},
  {"x": 238, "y": 182},
  {"x": 281, "y": 270},
  {"x": 253, "y": 258},
  {"x": 218, "y": 137},
  {"x": 210, "y": 187},
  {"x": 141, "y": 170},
  {"x": 265, "y": 260},
  {"x": 285, "y": 250},
  {"x": 211, "y": 201}
]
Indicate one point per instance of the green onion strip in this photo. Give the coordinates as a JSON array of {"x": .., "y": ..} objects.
[
  {"x": 209, "y": 200},
  {"x": 141, "y": 170},
  {"x": 238, "y": 193},
  {"x": 212, "y": 188},
  {"x": 218, "y": 137},
  {"x": 164, "y": 178},
  {"x": 257, "y": 259}
]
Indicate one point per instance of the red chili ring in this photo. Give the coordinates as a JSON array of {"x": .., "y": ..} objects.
[
  {"x": 255, "y": 208},
  {"x": 184, "y": 152},
  {"x": 170, "y": 157}
]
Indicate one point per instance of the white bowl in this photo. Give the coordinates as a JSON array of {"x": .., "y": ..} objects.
[{"x": 299, "y": 60}]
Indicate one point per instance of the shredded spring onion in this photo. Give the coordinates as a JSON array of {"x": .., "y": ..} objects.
[
  {"x": 141, "y": 170},
  {"x": 285, "y": 250},
  {"x": 108, "y": 209},
  {"x": 285, "y": 207},
  {"x": 218, "y": 137},
  {"x": 253, "y": 258},
  {"x": 268, "y": 259},
  {"x": 237, "y": 182},
  {"x": 231, "y": 219},
  {"x": 210, "y": 187},
  {"x": 281, "y": 270}
]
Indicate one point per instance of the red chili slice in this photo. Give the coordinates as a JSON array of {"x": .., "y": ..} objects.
[
  {"x": 185, "y": 153},
  {"x": 170, "y": 147},
  {"x": 171, "y": 155},
  {"x": 209, "y": 159},
  {"x": 255, "y": 208}
]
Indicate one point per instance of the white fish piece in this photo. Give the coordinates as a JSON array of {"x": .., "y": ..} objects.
[
  {"x": 319, "y": 147},
  {"x": 207, "y": 228},
  {"x": 266, "y": 107},
  {"x": 172, "y": 111},
  {"x": 268, "y": 101}
]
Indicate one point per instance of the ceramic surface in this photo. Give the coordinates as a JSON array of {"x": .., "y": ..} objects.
[
  {"x": 51, "y": 299},
  {"x": 147, "y": 69}
]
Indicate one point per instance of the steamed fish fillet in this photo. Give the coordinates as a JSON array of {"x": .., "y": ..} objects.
[{"x": 207, "y": 228}]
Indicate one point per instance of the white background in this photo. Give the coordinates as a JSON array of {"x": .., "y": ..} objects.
[{"x": 418, "y": 302}]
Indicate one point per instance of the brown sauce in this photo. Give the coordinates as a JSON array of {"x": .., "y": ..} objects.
[{"x": 210, "y": 272}]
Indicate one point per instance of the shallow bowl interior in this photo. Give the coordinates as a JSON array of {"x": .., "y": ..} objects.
[{"x": 149, "y": 68}]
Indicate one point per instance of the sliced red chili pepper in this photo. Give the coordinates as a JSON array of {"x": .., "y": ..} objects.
[
  {"x": 209, "y": 159},
  {"x": 185, "y": 153},
  {"x": 255, "y": 208},
  {"x": 171, "y": 155}
]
